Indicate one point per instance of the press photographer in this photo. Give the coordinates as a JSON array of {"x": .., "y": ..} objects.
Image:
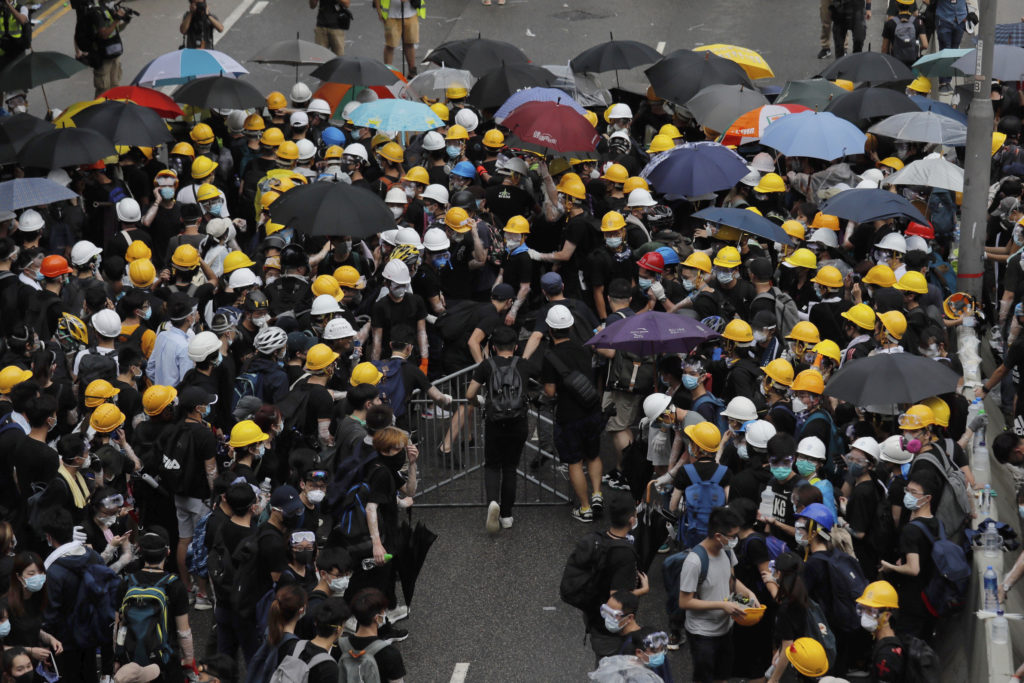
[
  {"x": 333, "y": 18},
  {"x": 98, "y": 40},
  {"x": 198, "y": 25},
  {"x": 15, "y": 33}
]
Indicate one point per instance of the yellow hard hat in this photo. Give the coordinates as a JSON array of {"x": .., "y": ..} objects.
[
  {"x": 921, "y": 84},
  {"x": 334, "y": 152},
  {"x": 319, "y": 356},
  {"x": 272, "y": 137},
  {"x": 365, "y": 373},
  {"x": 457, "y": 132},
  {"x": 913, "y": 281},
  {"x": 825, "y": 220},
  {"x": 379, "y": 139},
  {"x": 670, "y": 130},
  {"x": 705, "y": 435},
  {"x": 635, "y": 182},
  {"x": 591, "y": 117},
  {"x": 106, "y": 418},
  {"x": 494, "y": 139},
  {"x": 779, "y": 370},
  {"x": 202, "y": 167},
  {"x": 698, "y": 260},
  {"x": 727, "y": 257},
  {"x": 185, "y": 256},
  {"x": 347, "y": 276},
  {"x": 235, "y": 260},
  {"x": 770, "y": 182},
  {"x": 917, "y": 417},
  {"x": 98, "y": 391},
  {"x": 457, "y": 219},
  {"x": 802, "y": 258},
  {"x": 206, "y": 192},
  {"x": 794, "y": 229},
  {"x": 137, "y": 250},
  {"x": 892, "y": 162},
  {"x": 940, "y": 410},
  {"x": 156, "y": 398},
  {"x": 805, "y": 331},
  {"x": 893, "y": 322},
  {"x": 880, "y": 595},
  {"x": 268, "y": 198},
  {"x": 880, "y": 275},
  {"x": 183, "y": 149},
  {"x": 287, "y": 150},
  {"x": 326, "y": 284},
  {"x": 201, "y": 134},
  {"x": 754, "y": 209},
  {"x": 276, "y": 100},
  {"x": 808, "y": 657},
  {"x": 520, "y": 226},
  {"x": 612, "y": 221},
  {"x": 246, "y": 433},
  {"x": 829, "y": 349},
  {"x": 809, "y": 380},
  {"x": 142, "y": 272},
  {"x": 12, "y": 375},
  {"x": 271, "y": 227},
  {"x": 254, "y": 122},
  {"x": 393, "y": 152},
  {"x": 998, "y": 140},
  {"x": 417, "y": 174},
  {"x": 455, "y": 92},
  {"x": 828, "y": 276},
  {"x": 727, "y": 233},
  {"x": 571, "y": 185},
  {"x": 860, "y": 315},
  {"x": 661, "y": 143},
  {"x": 616, "y": 173},
  {"x": 738, "y": 331},
  {"x": 440, "y": 110},
  {"x": 844, "y": 84}
]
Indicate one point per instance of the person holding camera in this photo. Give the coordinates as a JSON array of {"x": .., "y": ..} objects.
[
  {"x": 198, "y": 25},
  {"x": 333, "y": 18},
  {"x": 15, "y": 34},
  {"x": 98, "y": 41}
]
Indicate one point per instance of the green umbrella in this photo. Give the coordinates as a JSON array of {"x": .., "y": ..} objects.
[
  {"x": 940, "y": 64},
  {"x": 36, "y": 69},
  {"x": 815, "y": 93}
]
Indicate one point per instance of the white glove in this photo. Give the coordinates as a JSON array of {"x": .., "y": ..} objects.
[
  {"x": 658, "y": 291},
  {"x": 480, "y": 400},
  {"x": 448, "y": 400},
  {"x": 663, "y": 480},
  {"x": 644, "y": 424},
  {"x": 431, "y": 318},
  {"x": 535, "y": 255},
  {"x": 78, "y": 535}
]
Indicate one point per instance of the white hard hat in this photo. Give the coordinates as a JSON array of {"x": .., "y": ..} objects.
[
  {"x": 218, "y": 227},
  {"x": 324, "y": 304},
  {"x": 367, "y": 95},
  {"x": 892, "y": 450},
  {"x": 621, "y": 134},
  {"x": 513, "y": 165},
  {"x": 298, "y": 119},
  {"x": 559, "y": 317},
  {"x": 356, "y": 149},
  {"x": 759, "y": 433},
  {"x": 640, "y": 197},
  {"x": 59, "y": 176},
  {"x": 318, "y": 106},
  {"x": 236, "y": 121},
  {"x": 408, "y": 236},
  {"x": 866, "y": 183},
  {"x": 655, "y": 405},
  {"x": 741, "y": 408},
  {"x": 396, "y": 195},
  {"x": 106, "y": 323},
  {"x": 307, "y": 150},
  {"x": 762, "y": 162},
  {"x": 300, "y": 93},
  {"x": 824, "y": 236},
  {"x": 868, "y": 445},
  {"x": 436, "y": 240},
  {"x": 346, "y": 112},
  {"x": 893, "y": 242},
  {"x": 467, "y": 119},
  {"x": 83, "y": 252},
  {"x": 338, "y": 328},
  {"x": 396, "y": 271},
  {"x": 812, "y": 447},
  {"x": 128, "y": 211},
  {"x": 439, "y": 193},
  {"x": 201, "y": 346},
  {"x": 388, "y": 236},
  {"x": 30, "y": 220},
  {"x": 752, "y": 178},
  {"x": 917, "y": 243},
  {"x": 872, "y": 174},
  {"x": 241, "y": 278},
  {"x": 433, "y": 141},
  {"x": 620, "y": 111}
]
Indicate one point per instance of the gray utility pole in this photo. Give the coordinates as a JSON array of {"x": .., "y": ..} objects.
[{"x": 973, "y": 223}]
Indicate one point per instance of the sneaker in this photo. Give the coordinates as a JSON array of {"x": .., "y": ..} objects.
[
  {"x": 506, "y": 522},
  {"x": 399, "y": 613},
  {"x": 664, "y": 548},
  {"x": 203, "y": 602},
  {"x": 597, "y": 503},
  {"x": 945, "y": 89},
  {"x": 675, "y": 639},
  {"x": 582, "y": 516},
  {"x": 493, "y": 511},
  {"x": 609, "y": 476},
  {"x": 391, "y": 632},
  {"x": 618, "y": 481},
  {"x": 824, "y": 52}
]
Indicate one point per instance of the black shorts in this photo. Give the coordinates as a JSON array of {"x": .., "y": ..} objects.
[{"x": 578, "y": 440}]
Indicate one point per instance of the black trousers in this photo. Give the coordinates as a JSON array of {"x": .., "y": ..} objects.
[{"x": 503, "y": 447}]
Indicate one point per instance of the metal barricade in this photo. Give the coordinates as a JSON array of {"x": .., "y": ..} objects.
[{"x": 458, "y": 480}]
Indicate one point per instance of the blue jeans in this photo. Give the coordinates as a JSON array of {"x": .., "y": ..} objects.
[{"x": 949, "y": 34}]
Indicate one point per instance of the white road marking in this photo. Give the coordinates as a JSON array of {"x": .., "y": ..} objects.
[
  {"x": 459, "y": 673},
  {"x": 660, "y": 49},
  {"x": 259, "y": 6},
  {"x": 235, "y": 15}
]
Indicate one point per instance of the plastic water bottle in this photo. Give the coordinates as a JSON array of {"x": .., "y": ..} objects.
[
  {"x": 369, "y": 562},
  {"x": 993, "y": 542},
  {"x": 985, "y": 509},
  {"x": 991, "y": 597},
  {"x": 767, "y": 502},
  {"x": 357, "y": 351},
  {"x": 1000, "y": 629}
]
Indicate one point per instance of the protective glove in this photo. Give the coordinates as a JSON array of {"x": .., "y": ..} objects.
[
  {"x": 978, "y": 423},
  {"x": 535, "y": 255},
  {"x": 480, "y": 400},
  {"x": 663, "y": 480},
  {"x": 424, "y": 364},
  {"x": 658, "y": 290},
  {"x": 431, "y": 318},
  {"x": 78, "y": 535}
]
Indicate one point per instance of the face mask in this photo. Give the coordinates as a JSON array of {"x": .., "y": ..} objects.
[
  {"x": 86, "y": 462},
  {"x": 741, "y": 451},
  {"x": 167, "y": 193},
  {"x": 441, "y": 261},
  {"x": 27, "y": 677},
  {"x": 410, "y": 192},
  {"x": 303, "y": 557},
  {"x": 732, "y": 543},
  {"x": 1018, "y": 235},
  {"x": 261, "y": 322},
  {"x": 805, "y": 468},
  {"x": 34, "y": 584},
  {"x": 857, "y": 470},
  {"x": 781, "y": 473},
  {"x": 215, "y": 209},
  {"x": 614, "y": 243},
  {"x": 688, "y": 285},
  {"x": 147, "y": 314},
  {"x": 869, "y": 623},
  {"x": 654, "y": 661},
  {"x": 339, "y": 585},
  {"x": 801, "y": 537},
  {"x": 343, "y": 249},
  {"x": 316, "y": 496},
  {"x": 724, "y": 276},
  {"x": 645, "y": 283},
  {"x": 760, "y": 336},
  {"x": 5, "y": 628},
  {"x": 398, "y": 291},
  {"x": 910, "y": 502},
  {"x": 40, "y": 277},
  {"x": 512, "y": 245},
  {"x": 107, "y": 521},
  {"x": 453, "y": 151},
  {"x": 259, "y": 451},
  {"x": 397, "y": 211},
  {"x": 817, "y": 292},
  {"x": 690, "y": 382},
  {"x": 397, "y": 461},
  {"x": 611, "y": 624}
]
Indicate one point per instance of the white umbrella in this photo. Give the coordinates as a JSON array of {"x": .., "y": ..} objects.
[
  {"x": 932, "y": 171},
  {"x": 433, "y": 83},
  {"x": 922, "y": 126}
]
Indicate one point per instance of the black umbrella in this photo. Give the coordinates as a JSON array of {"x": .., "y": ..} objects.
[
  {"x": 38, "y": 68},
  {"x": 219, "y": 92},
  {"x": 413, "y": 545},
  {"x": 477, "y": 55},
  {"x": 295, "y": 53},
  {"x": 613, "y": 55},
  {"x": 684, "y": 73},
  {"x": 651, "y": 529},
  {"x": 889, "y": 378},
  {"x": 863, "y": 205},
  {"x": 333, "y": 209},
  {"x": 16, "y": 131},
  {"x": 870, "y": 103},
  {"x": 125, "y": 123},
  {"x": 355, "y": 71},
  {"x": 868, "y": 67},
  {"x": 66, "y": 147},
  {"x": 496, "y": 86}
]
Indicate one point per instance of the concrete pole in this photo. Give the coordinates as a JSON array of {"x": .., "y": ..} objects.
[{"x": 979, "y": 160}]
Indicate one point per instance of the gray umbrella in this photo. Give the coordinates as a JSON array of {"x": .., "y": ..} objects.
[
  {"x": 922, "y": 126},
  {"x": 295, "y": 53},
  {"x": 717, "y": 106},
  {"x": 1007, "y": 62}
]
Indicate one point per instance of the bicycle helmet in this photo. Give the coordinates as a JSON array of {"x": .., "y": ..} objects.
[{"x": 270, "y": 340}]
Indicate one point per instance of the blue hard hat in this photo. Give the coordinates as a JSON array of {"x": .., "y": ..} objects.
[
  {"x": 669, "y": 255},
  {"x": 1018, "y": 310},
  {"x": 464, "y": 169},
  {"x": 333, "y": 136},
  {"x": 820, "y": 514}
]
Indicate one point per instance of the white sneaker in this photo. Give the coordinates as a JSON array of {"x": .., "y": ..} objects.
[
  {"x": 493, "y": 510},
  {"x": 399, "y": 613},
  {"x": 506, "y": 522},
  {"x": 203, "y": 603}
]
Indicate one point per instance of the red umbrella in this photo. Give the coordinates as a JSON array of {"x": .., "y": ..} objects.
[
  {"x": 146, "y": 97},
  {"x": 551, "y": 127}
]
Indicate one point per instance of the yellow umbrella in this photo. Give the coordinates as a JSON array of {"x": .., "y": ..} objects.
[
  {"x": 64, "y": 120},
  {"x": 752, "y": 62}
]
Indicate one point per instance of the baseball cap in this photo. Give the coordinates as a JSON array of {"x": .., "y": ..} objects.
[
  {"x": 286, "y": 499},
  {"x": 154, "y": 538},
  {"x": 551, "y": 283},
  {"x": 503, "y": 292},
  {"x": 196, "y": 396},
  {"x": 180, "y": 305}
]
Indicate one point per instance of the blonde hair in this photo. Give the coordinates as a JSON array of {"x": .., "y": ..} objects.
[{"x": 389, "y": 439}]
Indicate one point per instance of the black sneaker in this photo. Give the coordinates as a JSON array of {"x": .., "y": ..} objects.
[
  {"x": 675, "y": 639},
  {"x": 824, "y": 52},
  {"x": 618, "y": 481},
  {"x": 391, "y": 632}
]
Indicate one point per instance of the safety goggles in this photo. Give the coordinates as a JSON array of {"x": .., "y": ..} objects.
[
  {"x": 656, "y": 642},
  {"x": 908, "y": 421},
  {"x": 112, "y": 502},
  {"x": 852, "y": 459},
  {"x": 300, "y": 537},
  {"x": 786, "y": 461},
  {"x": 609, "y": 613},
  {"x": 864, "y": 610}
]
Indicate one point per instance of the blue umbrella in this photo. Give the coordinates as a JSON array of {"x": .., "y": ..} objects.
[
  {"x": 1007, "y": 62},
  {"x": 695, "y": 168},
  {"x": 181, "y": 66},
  {"x": 24, "y": 192},
  {"x": 937, "y": 107},
  {"x": 537, "y": 95},
  {"x": 744, "y": 220},
  {"x": 653, "y": 332},
  {"x": 396, "y": 115},
  {"x": 1010, "y": 34},
  {"x": 818, "y": 135},
  {"x": 870, "y": 204}
]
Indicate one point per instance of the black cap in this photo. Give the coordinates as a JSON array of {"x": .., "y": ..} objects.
[
  {"x": 763, "y": 319},
  {"x": 191, "y": 213},
  {"x": 403, "y": 333},
  {"x": 619, "y": 289},
  {"x": 180, "y": 306},
  {"x": 286, "y": 499},
  {"x": 196, "y": 396},
  {"x": 503, "y": 292},
  {"x": 154, "y": 538},
  {"x": 760, "y": 269}
]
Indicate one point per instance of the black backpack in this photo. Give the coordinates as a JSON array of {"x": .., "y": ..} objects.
[
  {"x": 921, "y": 664},
  {"x": 243, "y": 575},
  {"x": 904, "y": 41},
  {"x": 506, "y": 395},
  {"x": 93, "y": 366},
  {"x": 584, "y": 584},
  {"x": 846, "y": 584},
  {"x": 575, "y": 382},
  {"x": 177, "y": 464},
  {"x": 145, "y": 623}
]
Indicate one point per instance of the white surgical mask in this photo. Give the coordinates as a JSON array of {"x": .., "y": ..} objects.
[
  {"x": 339, "y": 585},
  {"x": 315, "y": 496},
  {"x": 869, "y": 623},
  {"x": 397, "y": 211}
]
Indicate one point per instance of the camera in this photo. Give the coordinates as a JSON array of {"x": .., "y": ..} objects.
[{"x": 129, "y": 13}]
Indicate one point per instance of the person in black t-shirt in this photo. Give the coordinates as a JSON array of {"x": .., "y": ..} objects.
[
  {"x": 877, "y": 606},
  {"x": 330, "y": 617},
  {"x": 312, "y": 491},
  {"x": 516, "y": 268},
  {"x": 864, "y": 494},
  {"x": 399, "y": 306},
  {"x": 224, "y": 534},
  {"x": 334, "y": 571},
  {"x": 370, "y": 606}
]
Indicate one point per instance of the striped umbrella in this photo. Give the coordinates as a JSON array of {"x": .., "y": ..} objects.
[
  {"x": 749, "y": 126},
  {"x": 181, "y": 66},
  {"x": 537, "y": 95}
]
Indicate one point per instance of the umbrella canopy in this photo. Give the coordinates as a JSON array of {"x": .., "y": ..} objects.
[
  {"x": 21, "y": 193},
  {"x": 337, "y": 95},
  {"x": 744, "y": 220},
  {"x": 922, "y": 126},
  {"x": 65, "y": 147},
  {"x": 818, "y": 135},
  {"x": 433, "y": 83},
  {"x": 888, "y": 378},
  {"x": 868, "y": 67},
  {"x": 333, "y": 209},
  {"x": 521, "y": 97},
  {"x": 815, "y": 93},
  {"x": 397, "y": 115},
  {"x": 695, "y": 168},
  {"x": 494, "y": 87},
  {"x": 552, "y": 128},
  {"x": 939, "y": 64},
  {"x": 717, "y": 106},
  {"x": 684, "y": 73},
  {"x": 146, "y": 97},
  {"x": 1007, "y": 62},
  {"x": 927, "y": 104},
  {"x": 750, "y": 126},
  {"x": 125, "y": 123},
  {"x": 653, "y": 332},
  {"x": 615, "y": 54},
  {"x": 294, "y": 52},
  {"x": 752, "y": 62},
  {"x": 66, "y": 118},
  {"x": 181, "y": 66},
  {"x": 412, "y": 548},
  {"x": 870, "y": 103},
  {"x": 477, "y": 55},
  {"x": 870, "y": 204},
  {"x": 933, "y": 171},
  {"x": 220, "y": 92},
  {"x": 38, "y": 68},
  {"x": 16, "y": 131},
  {"x": 1010, "y": 34},
  {"x": 355, "y": 71}
]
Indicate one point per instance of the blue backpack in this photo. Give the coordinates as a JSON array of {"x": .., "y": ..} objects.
[
  {"x": 701, "y": 496},
  {"x": 92, "y": 617},
  {"x": 942, "y": 212},
  {"x": 247, "y": 384},
  {"x": 846, "y": 584},
  {"x": 144, "y": 623},
  {"x": 719, "y": 406},
  {"x": 941, "y": 274},
  {"x": 671, "y": 573},
  {"x": 947, "y": 588},
  {"x": 392, "y": 386},
  {"x": 352, "y": 524},
  {"x": 197, "y": 552}
]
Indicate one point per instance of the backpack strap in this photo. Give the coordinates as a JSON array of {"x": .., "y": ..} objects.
[
  {"x": 719, "y": 473},
  {"x": 691, "y": 472},
  {"x": 705, "y": 563},
  {"x": 928, "y": 534}
]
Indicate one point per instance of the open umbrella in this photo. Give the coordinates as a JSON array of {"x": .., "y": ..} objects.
[
  {"x": 744, "y": 220},
  {"x": 1007, "y": 62},
  {"x": 412, "y": 548},
  {"x": 521, "y": 97},
  {"x": 433, "y": 83},
  {"x": 717, "y": 106},
  {"x": 694, "y": 169},
  {"x": 818, "y": 135},
  {"x": 494, "y": 87},
  {"x": 614, "y": 55},
  {"x": 868, "y": 67},
  {"x": 863, "y": 205},
  {"x": 397, "y": 115},
  {"x": 922, "y": 126},
  {"x": 220, "y": 92},
  {"x": 889, "y": 378},
  {"x": 477, "y": 55},
  {"x": 939, "y": 64},
  {"x": 37, "y": 69},
  {"x": 750, "y": 126},
  {"x": 551, "y": 128},
  {"x": 146, "y": 97},
  {"x": 653, "y": 332},
  {"x": 752, "y": 62},
  {"x": 337, "y": 95},
  {"x": 125, "y": 123},
  {"x": 333, "y": 209},
  {"x": 355, "y": 71},
  {"x": 181, "y": 66},
  {"x": 1010, "y": 34},
  {"x": 928, "y": 104},
  {"x": 294, "y": 52},
  {"x": 814, "y": 93},
  {"x": 64, "y": 147},
  {"x": 651, "y": 529},
  {"x": 932, "y": 171},
  {"x": 16, "y": 131},
  {"x": 24, "y": 192},
  {"x": 870, "y": 103},
  {"x": 684, "y": 73}
]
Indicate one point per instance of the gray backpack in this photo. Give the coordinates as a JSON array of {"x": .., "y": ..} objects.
[
  {"x": 294, "y": 670},
  {"x": 359, "y": 667}
]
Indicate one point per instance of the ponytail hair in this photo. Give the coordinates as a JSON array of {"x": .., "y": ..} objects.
[{"x": 286, "y": 606}]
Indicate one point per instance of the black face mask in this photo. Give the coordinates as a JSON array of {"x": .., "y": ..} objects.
[
  {"x": 396, "y": 462},
  {"x": 303, "y": 557}
]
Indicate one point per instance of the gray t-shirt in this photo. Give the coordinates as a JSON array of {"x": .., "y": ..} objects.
[{"x": 713, "y": 622}]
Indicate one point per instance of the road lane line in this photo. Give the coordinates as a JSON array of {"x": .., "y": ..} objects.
[
  {"x": 259, "y": 6},
  {"x": 660, "y": 49},
  {"x": 235, "y": 15},
  {"x": 459, "y": 673},
  {"x": 49, "y": 22},
  {"x": 48, "y": 11}
]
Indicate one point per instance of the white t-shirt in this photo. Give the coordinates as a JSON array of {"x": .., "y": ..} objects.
[
  {"x": 713, "y": 622},
  {"x": 400, "y": 10}
]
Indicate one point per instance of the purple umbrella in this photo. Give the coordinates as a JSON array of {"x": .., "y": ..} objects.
[
  {"x": 653, "y": 332},
  {"x": 537, "y": 95}
]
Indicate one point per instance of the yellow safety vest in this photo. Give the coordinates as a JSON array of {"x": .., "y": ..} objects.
[
  {"x": 421, "y": 12},
  {"x": 12, "y": 29}
]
